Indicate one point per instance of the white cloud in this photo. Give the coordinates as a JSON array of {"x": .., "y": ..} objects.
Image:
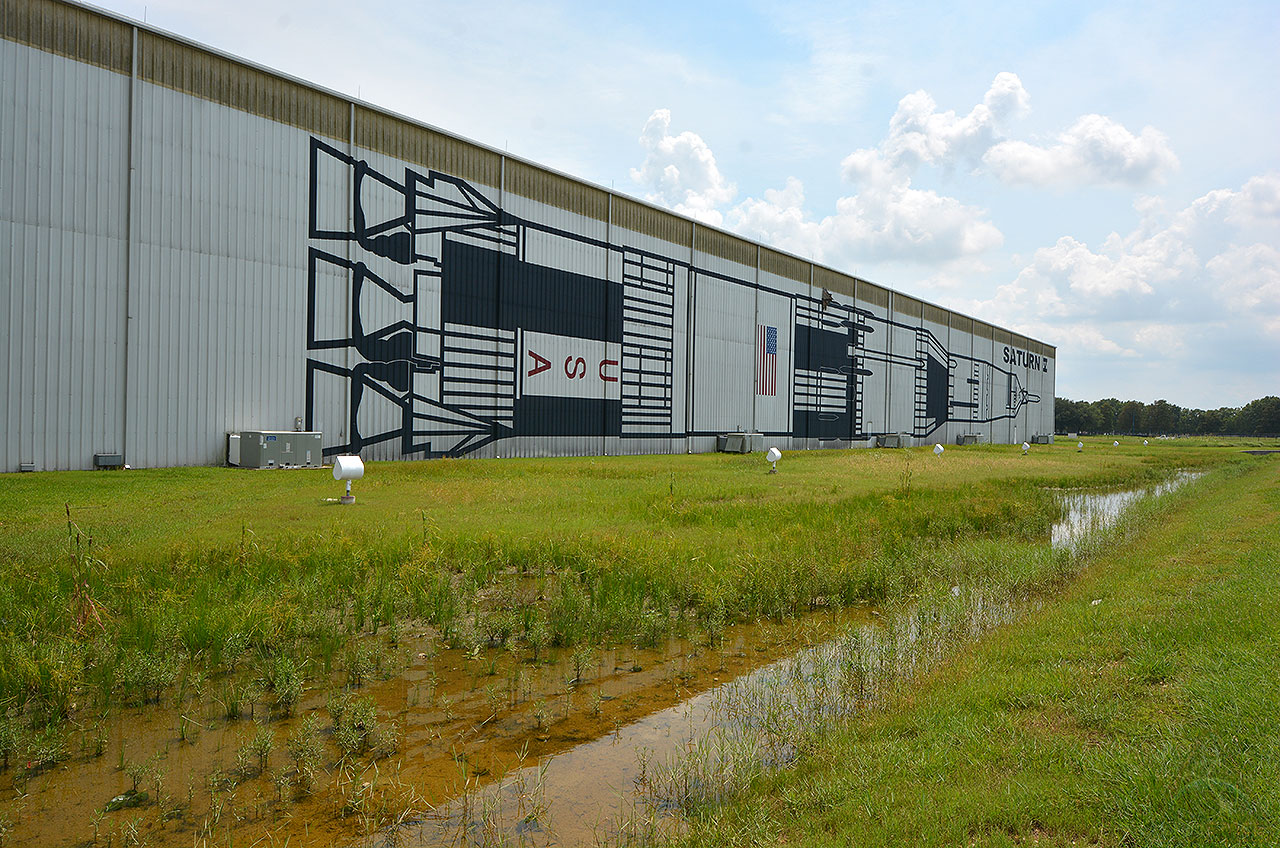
[
  {"x": 882, "y": 223},
  {"x": 1248, "y": 277},
  {"x": 920, "y": 134},
  {"x": 680, "y": 172},
  {"x": 887, "y": 219},
  {"x": 1095, "y": 149},
  {"x": 1170, "y": 339},
  {"x": 1196, "y": 291},
  {"x": 830, "y": 84},
  {"x": 1215, "y": 255}
]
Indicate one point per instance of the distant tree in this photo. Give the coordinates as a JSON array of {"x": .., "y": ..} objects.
[
  {"x": 1161, "y": 417},
  {"x": 1190, "y": 422},
  {"x": 1259, "y": 417},
  {"x": 1130, "y": 418},
  {"x": 1070, "y": 416},
  {"x": 1108, "y": 410}
]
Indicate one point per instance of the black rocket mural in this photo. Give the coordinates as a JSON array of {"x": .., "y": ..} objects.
[{"x": 429, "y": 326}]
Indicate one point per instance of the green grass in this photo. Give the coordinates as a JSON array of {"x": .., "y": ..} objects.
[
  {"x": 1139, "y": 706},
  {"x": 204, "y": 569}
]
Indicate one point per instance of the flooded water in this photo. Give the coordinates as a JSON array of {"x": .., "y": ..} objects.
[
  {"x": 626, "y": 787},
  {"x": 607, "y": 786},
  {"x": 464, "y": 721},
  {"x": 1088, "y": 512}
]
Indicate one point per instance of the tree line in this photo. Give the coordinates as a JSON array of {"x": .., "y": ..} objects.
[{"x": 1259, "y": 417}]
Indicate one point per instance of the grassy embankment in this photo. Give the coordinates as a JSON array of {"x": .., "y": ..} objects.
[
  {"x": 1138, "y": 706},
  {"x": 192, "y": 572}
]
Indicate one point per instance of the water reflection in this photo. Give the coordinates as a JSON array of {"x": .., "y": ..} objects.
[{"x": 1089, "y": 512}]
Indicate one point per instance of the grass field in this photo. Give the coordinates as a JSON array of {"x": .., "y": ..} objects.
[
  {"x": 1138, "y": 706},
  {"x": 119, "y": 588}
]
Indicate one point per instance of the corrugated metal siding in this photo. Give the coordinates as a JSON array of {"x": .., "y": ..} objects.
[
  {"x": 989, "y": 397},
  {"x": 555, "y": 190},
  {"x": 872, "y": 294},
  {"x": 875, "y": 386},
  {"x": 773, "y": 413},
  {"x": 424, "y": 147},
  {"x": 835, "y": 282},
  {"x": 724, "y": 356},
  {"x": 546, "y": 249},
  {"x": 934, "y": 314},
  {"x": 186, "y": 68},
  {"x": 69, "y": 31},
  {"x": 782, "y": 265},
  {"x": 960, "y": 343},
  {"x": 724, "y": 246},
  {"x": 646, "y": 220},
  {"x": 62, "y": 217},
  {"x": 219, "y": 334},
  {"x": 902, "y": 377},
  {"x": 655, "y": 378}
]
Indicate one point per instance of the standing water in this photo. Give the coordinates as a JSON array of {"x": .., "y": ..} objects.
[{"x": 1089, "y": 512}]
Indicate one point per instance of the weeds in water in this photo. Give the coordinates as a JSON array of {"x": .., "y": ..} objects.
[
  {"x": 358, "y": 729},
  {"x": 263, "y": 743},
  {"x": 139, "y": 771},
  {"x": 361, "y": 662},
  {"x": 306, "y": 751},
  {"x": 583, "y": 656},
  {"x": 284, "y": 679}
]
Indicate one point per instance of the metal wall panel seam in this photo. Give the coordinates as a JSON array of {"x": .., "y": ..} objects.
[
  {"x": 349, "y": 178},
  {"x": 755, "y": 330},
  {"x": 889, "y": 423},
  {"x": 130, "y": 250},
  {"x": 608, "y": 240},
  {"x": 692, "y": 325}
]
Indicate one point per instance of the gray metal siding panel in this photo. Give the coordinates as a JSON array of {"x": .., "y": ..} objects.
[
  {"x": 724, "y": 347},
  {"x": 218, "y": 338},
  {"x": 875, "y": 386},
  {"x": 61, "y": 216}
]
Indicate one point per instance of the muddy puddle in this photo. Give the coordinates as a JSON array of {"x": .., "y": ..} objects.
[
  {"x": 623, "y": 787},
  {"x": 443, "y": 725},
  {"x": 1088, "y": 512}
]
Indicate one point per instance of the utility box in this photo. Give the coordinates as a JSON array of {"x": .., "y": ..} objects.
[
  {"x": 1043, "y": 439},
  {"x": 969, "y": 439},
  {"x": 274, "y": 449},
  {"x": 740, "y": 442},
  {"x": 895, "y": 440}
]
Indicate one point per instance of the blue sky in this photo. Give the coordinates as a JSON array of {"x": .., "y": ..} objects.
[{"x": 1102, "y": 176}]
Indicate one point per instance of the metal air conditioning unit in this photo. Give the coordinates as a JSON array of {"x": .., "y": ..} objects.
[
  {"x": 740, "y": 442},
  {"x": 274, "y": 449}
]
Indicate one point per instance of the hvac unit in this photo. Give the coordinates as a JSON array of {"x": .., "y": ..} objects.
[
  {"x": 740, "y": 442},
  {"x": 274, "y": 449}
]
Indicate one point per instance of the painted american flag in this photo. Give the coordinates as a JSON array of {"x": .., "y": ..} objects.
[{"x": 766, "y": 360}]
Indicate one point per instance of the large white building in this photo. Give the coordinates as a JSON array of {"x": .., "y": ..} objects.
[{"x": 193, "y": 245}]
